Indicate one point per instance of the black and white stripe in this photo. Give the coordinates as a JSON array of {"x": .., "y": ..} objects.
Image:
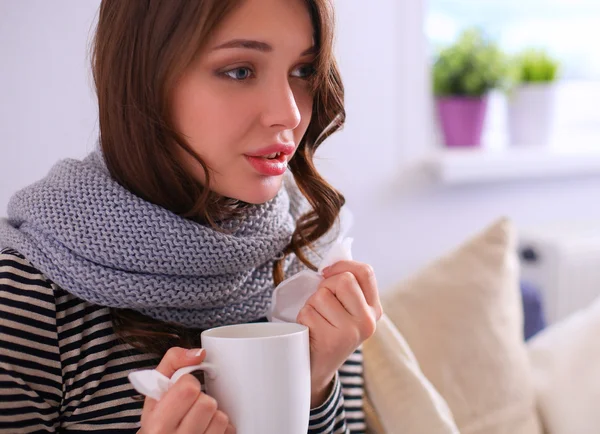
[{"x": 62, "y": 369}]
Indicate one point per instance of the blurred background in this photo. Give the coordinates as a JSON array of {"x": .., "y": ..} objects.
[{"x": 508, "y": 127}]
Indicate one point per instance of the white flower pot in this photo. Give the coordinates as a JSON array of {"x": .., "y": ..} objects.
[{"x": 530, "y": 114}]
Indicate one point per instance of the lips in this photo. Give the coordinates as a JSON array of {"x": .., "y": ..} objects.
[
  {"x": 272, "y": 160},
  {"x": 279, "y": 148}
]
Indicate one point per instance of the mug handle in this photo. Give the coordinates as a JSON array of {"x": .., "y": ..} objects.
[{"x": 209, "y": 368}]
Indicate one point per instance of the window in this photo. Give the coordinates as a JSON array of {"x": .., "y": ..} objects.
[{"x": 569, "y": 29}]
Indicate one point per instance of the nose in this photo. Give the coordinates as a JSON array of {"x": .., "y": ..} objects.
[{"x": 280, "y": 107}]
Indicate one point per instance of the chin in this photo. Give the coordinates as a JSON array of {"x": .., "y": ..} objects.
[{"x": 258, "y": 191}]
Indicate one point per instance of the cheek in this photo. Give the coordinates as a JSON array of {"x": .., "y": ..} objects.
[
  {"x": 204, "y": 116},
  {"x": 304, "y": 101},
  {"x": 194, "y": 108}
]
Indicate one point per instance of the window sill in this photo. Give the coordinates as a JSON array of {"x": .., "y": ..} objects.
[{"x": 478, "y": 166}]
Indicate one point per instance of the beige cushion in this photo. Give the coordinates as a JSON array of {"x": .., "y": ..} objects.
[
  {"x": 566, "y": 366},
  {"x": 462, "y": 317},
  {"x": 372, "y": 419},
  {"x": 403, "y": 400}
]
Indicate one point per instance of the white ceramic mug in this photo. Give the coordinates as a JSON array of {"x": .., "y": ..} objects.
[{"x": 259, "y": 373}]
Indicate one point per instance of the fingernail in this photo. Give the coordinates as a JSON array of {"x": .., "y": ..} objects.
[
  {"x": 326, "y": 270},
  {"x": 194, "y": 352}
]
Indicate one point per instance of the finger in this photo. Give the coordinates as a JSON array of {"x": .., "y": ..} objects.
[
  {"x": 346, "y": 289},
  {"x": 311, "y": 318},
  {"x": 329, "y": 307},
  {"x": 177, "y": 358},
  {"x": 174, "y": 359},
  {"x": 352, "y": 298},
  {"x": 365, "y": 276},
  {"x": 218, "y": 424},
  {"x": 177, "y": 402},
  {"x": 199, "y": 416}
]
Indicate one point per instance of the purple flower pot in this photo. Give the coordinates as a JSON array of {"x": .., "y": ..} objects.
[{"x": 462, "y": 120}]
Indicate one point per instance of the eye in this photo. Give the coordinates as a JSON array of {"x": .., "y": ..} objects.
[
  {"x": 239, "y": 74},
  {"x": 304, "y": 71}
]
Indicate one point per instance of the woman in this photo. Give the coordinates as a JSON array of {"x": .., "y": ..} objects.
[{"x": 184, "y": 219}]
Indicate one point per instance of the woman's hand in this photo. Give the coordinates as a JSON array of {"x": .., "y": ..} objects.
[
  {"x": 340, "y": 315},
  {"x": 184, "y": 408}
]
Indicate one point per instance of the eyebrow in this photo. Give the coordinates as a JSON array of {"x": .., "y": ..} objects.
[{"x": 256, "y": 45}]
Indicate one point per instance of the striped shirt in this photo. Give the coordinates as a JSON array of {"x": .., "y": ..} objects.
[{"x": 63, "y": 369}]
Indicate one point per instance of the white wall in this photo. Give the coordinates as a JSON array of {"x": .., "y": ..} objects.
[
  {"x": 381, "y": 52},
  {"x": 47, "y": 113},
  {"x": 47, "y": 107}
]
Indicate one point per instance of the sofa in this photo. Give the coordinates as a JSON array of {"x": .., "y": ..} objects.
[{"x": 450, "y": 356}]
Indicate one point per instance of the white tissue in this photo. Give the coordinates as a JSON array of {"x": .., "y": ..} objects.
[
  {"x": 291, "y": 294},
  {"x": 150, "y": 382}
]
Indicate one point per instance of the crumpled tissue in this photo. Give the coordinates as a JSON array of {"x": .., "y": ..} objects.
[{"x": 291, "y": 294}]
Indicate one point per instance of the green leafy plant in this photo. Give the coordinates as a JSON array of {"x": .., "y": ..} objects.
[
  {"x": 472, "y": 66},
  {"x": 534, "y": 66}
]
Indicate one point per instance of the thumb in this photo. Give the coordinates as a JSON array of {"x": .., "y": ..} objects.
[{"x": 176, "y": 358}]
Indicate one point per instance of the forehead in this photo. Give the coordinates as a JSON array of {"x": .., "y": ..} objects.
[{"x": 284, "y": 24}]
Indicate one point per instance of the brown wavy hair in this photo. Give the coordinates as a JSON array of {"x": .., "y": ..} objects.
[{"x": 140, "y": 49}]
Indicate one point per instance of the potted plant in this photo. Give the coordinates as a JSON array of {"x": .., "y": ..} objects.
[
  {"x": 531, "y": 99},
  {"x": 463, "y": 75}
]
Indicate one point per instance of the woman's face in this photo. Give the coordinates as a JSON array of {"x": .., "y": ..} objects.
[{"x": 246, "y": 102}]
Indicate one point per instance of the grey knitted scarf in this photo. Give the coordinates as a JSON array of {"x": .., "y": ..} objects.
[{"x": 100, "y": 242}]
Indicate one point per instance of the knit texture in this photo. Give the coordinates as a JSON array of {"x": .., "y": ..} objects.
[{"x": 100, "y": 242}]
